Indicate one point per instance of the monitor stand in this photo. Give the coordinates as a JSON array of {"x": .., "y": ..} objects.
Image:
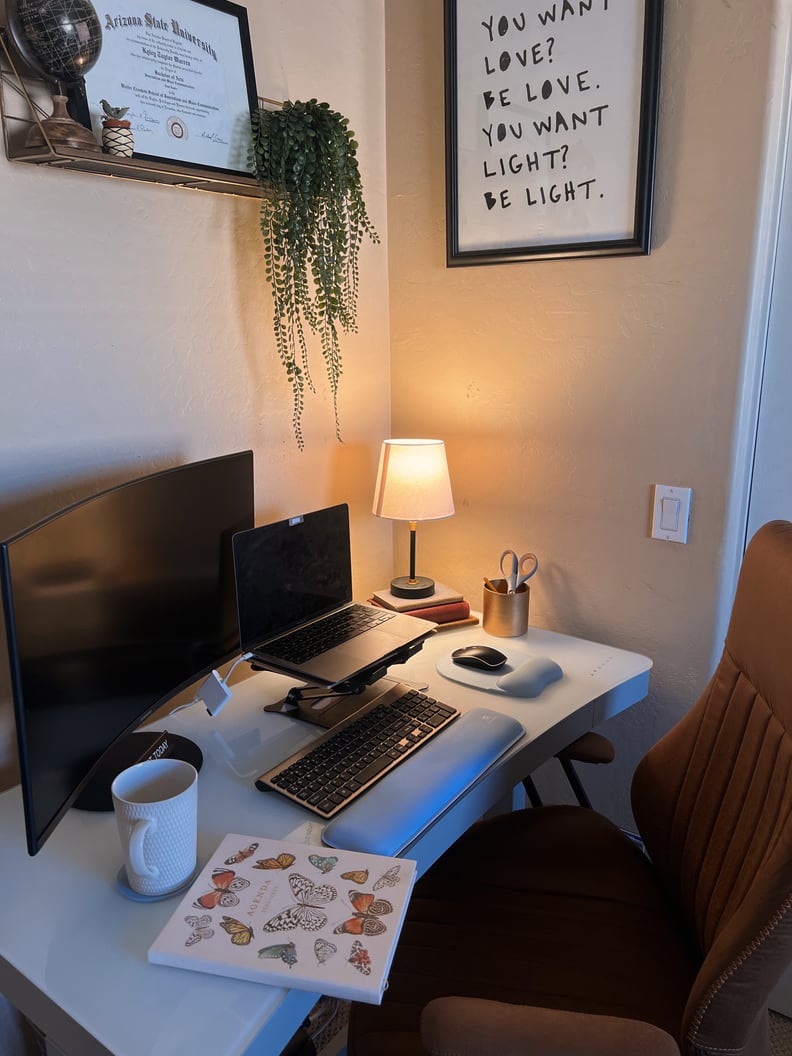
[{"x": 134, "y": 748}]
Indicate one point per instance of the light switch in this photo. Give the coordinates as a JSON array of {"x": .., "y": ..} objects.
[{"x": 670, "y": 513}]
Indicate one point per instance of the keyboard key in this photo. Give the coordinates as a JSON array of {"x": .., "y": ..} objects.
[{"x": 374, "y": 769}]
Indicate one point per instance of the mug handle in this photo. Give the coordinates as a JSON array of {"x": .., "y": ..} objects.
[{"x": 136, "y": 857}]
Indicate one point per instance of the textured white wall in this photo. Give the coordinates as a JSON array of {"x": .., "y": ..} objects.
[
  {"x": 565, "y": 389},
  {"x": 136, "y": 319}
]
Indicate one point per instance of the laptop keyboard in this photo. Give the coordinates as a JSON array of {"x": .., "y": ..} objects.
[
  {"x": 307, "y": 642},
  {"x": 343, "y": 763}
]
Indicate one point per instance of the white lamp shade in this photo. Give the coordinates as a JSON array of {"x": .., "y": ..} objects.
[{"x": 413, "y": 482}]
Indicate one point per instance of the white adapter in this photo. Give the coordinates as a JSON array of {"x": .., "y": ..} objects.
[{"x": 214, "y": 693}]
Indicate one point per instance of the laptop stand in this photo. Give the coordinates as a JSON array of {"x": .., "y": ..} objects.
[{"x": 328, "y": 705}]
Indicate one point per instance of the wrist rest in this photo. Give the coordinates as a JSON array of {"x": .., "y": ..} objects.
[{"x": 405, "y": 801}]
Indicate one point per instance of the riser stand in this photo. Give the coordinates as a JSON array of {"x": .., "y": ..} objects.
[{"x": 328, "y": 705}]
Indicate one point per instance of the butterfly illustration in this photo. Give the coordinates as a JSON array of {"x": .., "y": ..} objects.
[
  {"x": 366, "y": 911},
  {"x": 283, "y": 861},
  {"x": 200, "y": 929},
  {"x": 307, "y": 911},
  {"x": 357, "y": 876},
  {"x": 241, "y": 855},
  {"x": 388, "y": 879},
  {"x": 240, "y": 933},
  {"x": 225, "y": 883},
  {"x": 284, "y": 951},
  {"x": 324, "y": 865},
  {"x": 360, "y": 958},
  {"x": 324, "y": 950}
]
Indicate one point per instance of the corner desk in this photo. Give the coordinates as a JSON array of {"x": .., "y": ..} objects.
[{"x": 73, "y": 949}]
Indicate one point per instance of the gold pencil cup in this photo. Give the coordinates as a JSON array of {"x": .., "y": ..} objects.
[{"x": 505, "y": 615}]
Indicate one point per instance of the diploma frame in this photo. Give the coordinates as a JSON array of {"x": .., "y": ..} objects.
[
  {"x": 231, "y": 22},
  {"x": 473, "y": 236}
]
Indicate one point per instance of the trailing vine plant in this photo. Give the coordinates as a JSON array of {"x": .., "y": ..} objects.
[{"x": 313, "y": 219}]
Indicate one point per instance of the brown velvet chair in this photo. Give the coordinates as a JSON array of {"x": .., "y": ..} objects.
[{"x": 548, "y": 931}]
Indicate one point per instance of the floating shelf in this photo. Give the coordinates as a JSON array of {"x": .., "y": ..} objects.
[{"x": 16, "y": 126}]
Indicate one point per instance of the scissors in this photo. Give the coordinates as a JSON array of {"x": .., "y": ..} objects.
[{"x": 516, "y": 570}]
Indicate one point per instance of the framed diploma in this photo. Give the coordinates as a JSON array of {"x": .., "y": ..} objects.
[
  {"x": 184, "y": 70},
  {"x": 551, "y": 123}
]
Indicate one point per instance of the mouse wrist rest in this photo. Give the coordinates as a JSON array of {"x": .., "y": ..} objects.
[
  {"x": 402, "y": 804},
  {"x": 519, "y": 659}
]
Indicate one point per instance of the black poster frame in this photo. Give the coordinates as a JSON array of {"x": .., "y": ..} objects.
[{"x": 541, "y": 245}]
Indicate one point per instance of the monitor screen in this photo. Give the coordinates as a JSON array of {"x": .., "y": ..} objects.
[{"x": 112, "y": 606}]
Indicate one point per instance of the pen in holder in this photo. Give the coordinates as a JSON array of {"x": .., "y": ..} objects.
[{"x": 505, "y": 615}]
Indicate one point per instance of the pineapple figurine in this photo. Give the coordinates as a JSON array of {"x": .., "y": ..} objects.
[{"x": 117, "y": 138}]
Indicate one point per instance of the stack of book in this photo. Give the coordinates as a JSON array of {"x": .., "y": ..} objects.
[{"x": 446, "y": 607}]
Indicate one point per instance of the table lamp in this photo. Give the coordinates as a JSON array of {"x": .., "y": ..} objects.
[{"x": 413, "y": 485}]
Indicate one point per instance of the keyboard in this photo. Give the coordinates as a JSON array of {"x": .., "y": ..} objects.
[
  {"x": 341, "y": 764},
  {"x": 308, "y": 642}
]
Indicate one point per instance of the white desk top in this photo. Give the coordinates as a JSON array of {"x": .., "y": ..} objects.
[{"x": 70, "y": 943}]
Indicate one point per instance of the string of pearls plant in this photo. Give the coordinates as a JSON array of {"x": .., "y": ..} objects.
[{"x": 313, "y": 220}]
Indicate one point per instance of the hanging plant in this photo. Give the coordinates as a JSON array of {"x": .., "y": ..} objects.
[{"x": 313, "y": 219}]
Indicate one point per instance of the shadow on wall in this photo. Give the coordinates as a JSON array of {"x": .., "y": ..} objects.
[
  {"x": 37, "y": 484},
  {"x": 34, "y": 486}
]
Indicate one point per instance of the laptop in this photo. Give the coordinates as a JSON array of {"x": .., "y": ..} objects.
[{"x": 294, "y": 589}]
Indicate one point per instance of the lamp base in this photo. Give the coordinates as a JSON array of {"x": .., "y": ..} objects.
[{"x": 406, "y": 587}]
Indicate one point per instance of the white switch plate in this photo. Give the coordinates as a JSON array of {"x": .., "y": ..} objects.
[{"x": 669, "y": 501}]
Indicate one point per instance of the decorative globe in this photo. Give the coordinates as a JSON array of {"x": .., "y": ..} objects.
[{"x": 59, "y": 39}]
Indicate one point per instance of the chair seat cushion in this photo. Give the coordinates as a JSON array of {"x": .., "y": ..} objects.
[{"x": 553, "y": 907}]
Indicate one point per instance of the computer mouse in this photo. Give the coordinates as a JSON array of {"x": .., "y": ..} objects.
[
  {"x": 484, "y": 657},
  {"x": 530, "y": 678}
]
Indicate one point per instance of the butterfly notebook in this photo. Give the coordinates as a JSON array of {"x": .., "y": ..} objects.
[{"x": 291, "y": 915}]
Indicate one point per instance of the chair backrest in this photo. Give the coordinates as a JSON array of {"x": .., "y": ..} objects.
[{"x": 713, "y": 803}]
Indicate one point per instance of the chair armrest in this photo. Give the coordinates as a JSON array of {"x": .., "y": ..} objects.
[{"x": 461, "y": 1026}]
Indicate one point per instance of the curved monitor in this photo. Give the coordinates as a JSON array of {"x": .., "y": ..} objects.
[{"x": 112, "y": 606}]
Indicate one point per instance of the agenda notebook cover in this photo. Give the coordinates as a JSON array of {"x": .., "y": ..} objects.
[{"x": 291, "y": 914}]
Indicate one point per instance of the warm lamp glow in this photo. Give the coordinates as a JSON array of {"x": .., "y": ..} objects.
[{"x": 413, "y": 485}]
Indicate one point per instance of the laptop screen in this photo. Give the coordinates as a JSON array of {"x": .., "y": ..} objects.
[{"x": 290, "y": 572}]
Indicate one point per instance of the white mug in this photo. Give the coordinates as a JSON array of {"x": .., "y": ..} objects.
[{"x": 156, "y": 808}]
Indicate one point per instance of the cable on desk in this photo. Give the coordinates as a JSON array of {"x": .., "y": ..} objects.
[{"x": 214, "y": 691}]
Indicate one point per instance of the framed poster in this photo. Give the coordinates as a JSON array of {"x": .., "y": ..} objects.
[
  {"x": 184, "y": 68},
  {"x": 551, "y": 123}
]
